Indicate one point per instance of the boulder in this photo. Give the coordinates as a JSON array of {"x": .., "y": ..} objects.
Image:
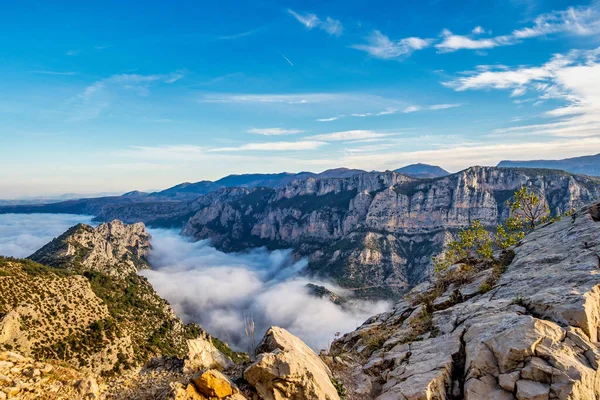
[
  {"x": 288, "y": 369},
  {"x": 213, "y": 384},
  {"x": 202, "y": 354}
]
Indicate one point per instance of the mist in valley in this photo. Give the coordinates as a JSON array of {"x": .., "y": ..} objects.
[{"x": 223, "y": 292}]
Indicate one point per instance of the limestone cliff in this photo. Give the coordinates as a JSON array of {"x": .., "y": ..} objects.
[
  {"x": 526, "y": 331},
  {"x": 111, "y": 248},
  {"x": 375, "y": 232}
]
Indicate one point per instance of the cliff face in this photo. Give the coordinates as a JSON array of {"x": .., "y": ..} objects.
[
  {"x": 375, "y": 232},
  {"x": 112, "y": 248},
  {"x": 530, "y": 332}
]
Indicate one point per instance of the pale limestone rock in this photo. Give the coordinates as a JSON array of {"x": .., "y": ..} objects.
[
  {"x": 529, "y": 390},
  {"x": 203, "y": 354},
  {"x": 288, "y": 368},
  {"x": 508, "y": 381},
  {"x": 532, "y": 334}
]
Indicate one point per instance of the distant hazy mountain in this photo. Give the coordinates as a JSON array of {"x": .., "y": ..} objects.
[
  {"x": 422, "y": 171},
  {"x": 187, "y": 190},
  {"x": 585, "y": 165},
  {"x": 169, "y": 197}
]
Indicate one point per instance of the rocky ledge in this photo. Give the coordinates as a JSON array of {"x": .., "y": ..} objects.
[{"x": 525, "y": 331}]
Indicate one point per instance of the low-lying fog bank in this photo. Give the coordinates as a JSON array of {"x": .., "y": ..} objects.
[
  {"x": 21, "y": 235},
  {"x": 223, "y": 291}
]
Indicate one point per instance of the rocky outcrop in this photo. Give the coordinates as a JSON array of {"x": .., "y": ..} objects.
[
  {"x": 376, "y": 232},
  {"x": 26, "y": 379},
  {"x": 111, "y": 248},
  {"x": 202, "y": 354},
  {"x": 286, "y": 368},
  {"x": 530, "y": 332}
]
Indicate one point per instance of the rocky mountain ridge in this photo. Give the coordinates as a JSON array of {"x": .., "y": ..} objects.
[
  {"x": 112, "y": 248},
  {"x": 585, "y": 165},
  {"x": 375, "y": 233}
]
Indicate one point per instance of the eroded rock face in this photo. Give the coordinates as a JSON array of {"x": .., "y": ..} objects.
[
  {"x": 288, "y": 369},
  {"x": 376, "y": 232},
  {"x": 203, "y": 354},
  {"x": 533, "y": 335},
  {"x": 112, "y": 248}
]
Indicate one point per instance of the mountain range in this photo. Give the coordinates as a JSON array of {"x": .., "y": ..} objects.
[
  {"x": 586, "y": 165},
  {"x": 372, "y": 232}
]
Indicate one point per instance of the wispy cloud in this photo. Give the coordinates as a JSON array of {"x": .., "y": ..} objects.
[
  {"x": 452, "y": 42},
  {"x": 274, "y": 131},
  {"x": 380, "y": 46},
  {"x": 310, "y": 21},
  {"x": 274, "y": 146},
  {"x": 98, "y": 96},
  {"x": 43, "y": 72},
  {"x": 578, "y": 21},
  {"x": 349, "y": 135},
  {"x": 327, "y": 119},
  {"x": 411, "y": 109},
  {"x": 443, "y": 106},
  {"x": 241, "y": 34},
  {"x": 302, "y": 98},
  {"x": 164, "y": 152}
]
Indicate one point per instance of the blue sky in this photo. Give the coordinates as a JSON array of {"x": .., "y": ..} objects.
[{"x": 114, "y": 96}]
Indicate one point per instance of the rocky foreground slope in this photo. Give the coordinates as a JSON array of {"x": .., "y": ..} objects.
[{"x": 526, "y": 331}]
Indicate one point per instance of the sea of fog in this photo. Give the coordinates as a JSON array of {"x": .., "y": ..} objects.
[{"x": 222, "y": 292}]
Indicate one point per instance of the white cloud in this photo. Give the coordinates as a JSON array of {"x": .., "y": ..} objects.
[
  {"x": 579, "y": 21},
  {"x": 565, "y": 78},
  {"x": 380, "y": 46},
  {"x": 310, "y": 21},
  {"x": 332, "y": 26},
  {"x": 411, "y": 109},
  {"x": 327, "y": 119},
  {"x": 452, "y": 42},
  {"x": 217, "y": 290},
  {"x": 349, "y": 135},
  {"x": 275, "y": 146},
  {"x": 503, "y": 78},
  {"x": 274, "y": 131}
]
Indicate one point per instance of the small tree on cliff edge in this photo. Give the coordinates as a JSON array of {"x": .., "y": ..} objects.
[
  {"x": 528, "y": 208},
  {"x": 526, "y": 212}
]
